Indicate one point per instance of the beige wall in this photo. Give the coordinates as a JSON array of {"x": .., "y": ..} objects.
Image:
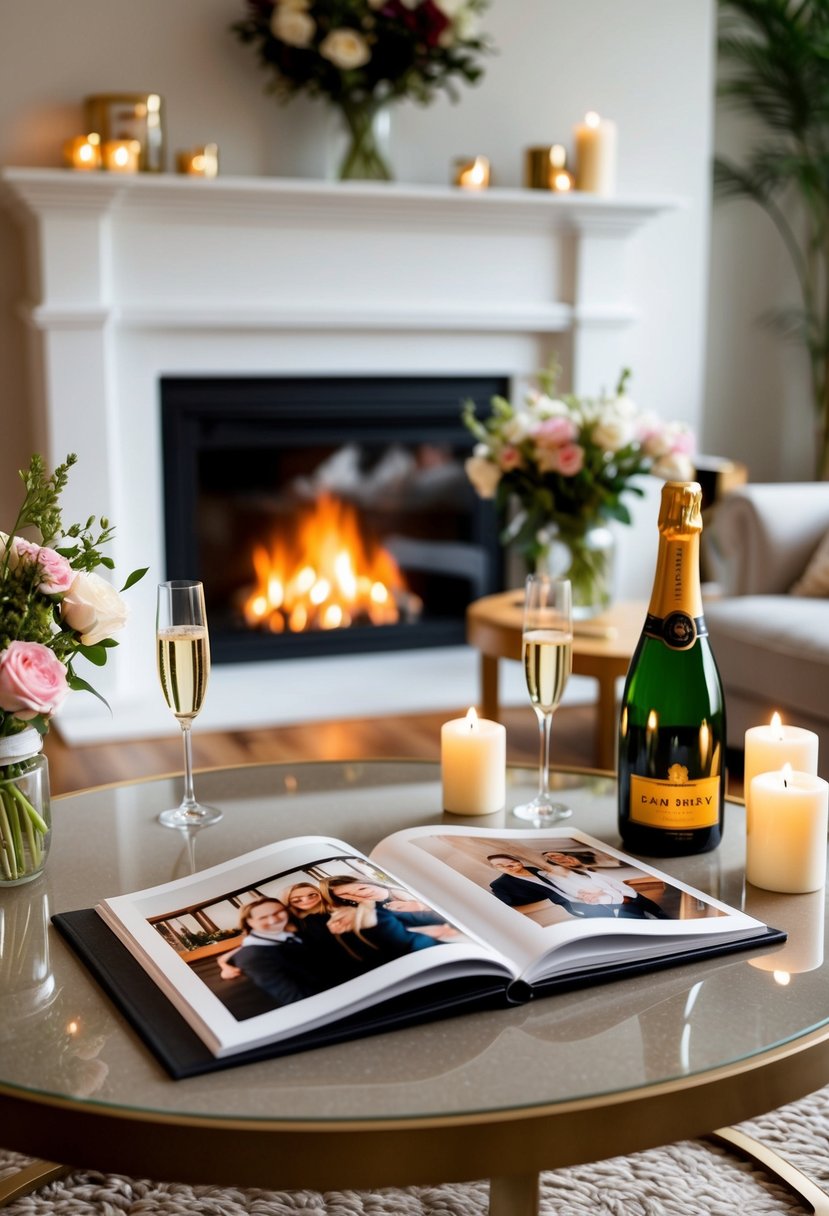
[{"x": 647, "y": 65}]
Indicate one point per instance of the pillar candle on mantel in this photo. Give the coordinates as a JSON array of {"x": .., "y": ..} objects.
[
  {"x": 786, "y": 831},
  {"x": 473, "y": 762},
  {"x": 768, "y": 748},
  {"x": 595, "y": 146}
]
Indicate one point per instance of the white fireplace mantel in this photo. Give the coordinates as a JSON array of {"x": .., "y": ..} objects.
[{"x": 135, "y": 277}]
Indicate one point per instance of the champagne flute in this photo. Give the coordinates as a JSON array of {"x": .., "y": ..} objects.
[
  {"x": 547, "y": 651},
  {"x": 183, "y": 652}
]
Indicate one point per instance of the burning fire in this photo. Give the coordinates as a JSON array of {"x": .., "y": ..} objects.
[{"x": 327, "y": 576}]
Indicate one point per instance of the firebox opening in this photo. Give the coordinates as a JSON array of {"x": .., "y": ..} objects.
[{"x": 326, "y": 516}]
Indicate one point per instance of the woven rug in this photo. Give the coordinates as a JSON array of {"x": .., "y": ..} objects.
[{"x": 691, "y": 1178}]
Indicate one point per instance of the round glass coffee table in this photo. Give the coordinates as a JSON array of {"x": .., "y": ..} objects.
[{"x": 574, "y": 1077}]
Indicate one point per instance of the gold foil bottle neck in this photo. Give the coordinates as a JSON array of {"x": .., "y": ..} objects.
[{"x": 681, "y": 507}]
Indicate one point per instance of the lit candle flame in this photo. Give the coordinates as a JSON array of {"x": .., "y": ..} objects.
[
  {"x": 786, "y": 773},
  {"x": 472, "y": 718},
  {"x": 777, "y": 725},
  {"x": 592, "y": 119}
]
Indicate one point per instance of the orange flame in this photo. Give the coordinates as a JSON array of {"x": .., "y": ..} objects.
[{"x": 327, "y": 576}]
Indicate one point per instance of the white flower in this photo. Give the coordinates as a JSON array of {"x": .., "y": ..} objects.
[
  {"x": 612, "y": 432},
  {"x": 548, "y": 407},
  {"x": 93, "y": 608},
  {"x": 346, "y": 49},
  {"x": 483, "y": 474},
  {"x": 293, "y": 26},
  {"x": 517, "y": 428},
  {"x": 467, "y": 25},
  {"x": 451, "y": 8},
  {"x": 674, "y": 466}
]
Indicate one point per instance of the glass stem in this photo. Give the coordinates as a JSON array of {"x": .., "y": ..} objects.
[
  {"x": 545, "y": 722},
  {"x": 189, "y": 799}
]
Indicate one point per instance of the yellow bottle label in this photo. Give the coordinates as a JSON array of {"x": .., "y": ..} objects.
[{"x": 677, "y": 805}]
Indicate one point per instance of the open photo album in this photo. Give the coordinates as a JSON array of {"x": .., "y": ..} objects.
[{"x": 307, "y": 941}]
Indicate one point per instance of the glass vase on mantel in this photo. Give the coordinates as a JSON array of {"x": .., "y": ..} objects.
[
  {"x": 366, "y": 126},
  {"x": 584, "y": 552},
  {"x": 25, "y": 813}
]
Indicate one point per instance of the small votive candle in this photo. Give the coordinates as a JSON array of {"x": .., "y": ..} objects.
[
  {"x": 545, "y": 168},
  {"x": 786, "y": 831},
  {"x": 121, "y": 155},
  {"x": 472, "y": 174},
  {"x": 595, "y": 144},
  {"x": 83, "y": 152},
  {"x": 768, "y": 748},
  {"x": 473, "y": 762},
  {"x": 200, "y": 162}
]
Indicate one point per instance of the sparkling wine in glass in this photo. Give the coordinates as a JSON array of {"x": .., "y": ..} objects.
[
  {"x": 547, "y": 651},
  {"x": 183, "y": 652}
]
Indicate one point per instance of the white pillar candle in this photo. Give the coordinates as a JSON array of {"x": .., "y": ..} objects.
[
  {"x": 473, "y": 761},
  {"x": 786, "y": 831},
  {"x": 595, "y": 146},
  {"x": 768, "y": 748}
]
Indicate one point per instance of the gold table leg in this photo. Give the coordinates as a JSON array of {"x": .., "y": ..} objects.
[
  {"x": 792, "y": 1178},
  {"x": 28, "y": 1179},
  {"x": 516, "y": 1195}
]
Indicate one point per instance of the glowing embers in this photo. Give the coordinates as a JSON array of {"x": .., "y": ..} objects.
[{"x": 326, "y": 573}]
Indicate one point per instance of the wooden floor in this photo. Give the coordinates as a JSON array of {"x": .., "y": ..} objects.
[{"x": 418, "y": 737}]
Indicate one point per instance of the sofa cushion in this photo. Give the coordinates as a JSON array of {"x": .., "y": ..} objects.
[
  {"x": 773, "y": 645},
  {"x": 815, "y": 578}
]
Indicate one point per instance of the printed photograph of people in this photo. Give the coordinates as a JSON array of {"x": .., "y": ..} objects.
[
  {"x": 301, "y": 932},
  {"x": 557, "y": 879}
]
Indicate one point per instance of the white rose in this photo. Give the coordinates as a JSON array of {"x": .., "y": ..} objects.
[
  {"x": 93, "y": 608},
  {"x": 483, "y": 474},
  {"x": 549, "y": 407},
  {"x": 346, "y": 49},
  {"x": 292, "y": 26},
  {"x": 612, "y": 432},
  {"x": 518, "y": 427},
  {"x": 674, "y": 466}
]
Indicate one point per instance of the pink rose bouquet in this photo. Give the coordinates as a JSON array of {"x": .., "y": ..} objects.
[
  {"x": 54, "y": 611},
  {"x": 567, "y": 461}
]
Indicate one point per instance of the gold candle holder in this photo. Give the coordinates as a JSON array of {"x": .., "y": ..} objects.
[
  {"x": 545, "y": 168},
  {"x": 199, "y": 162},
  {"x": 121, "y": 155},
  {"x": 83, "y": 152},
  {"x": 471, "y": 174}
]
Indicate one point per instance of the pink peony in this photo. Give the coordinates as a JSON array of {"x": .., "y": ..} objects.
[
  {"x": 570, "y": 459},
  {"x": 32, "y": 680},
  {"x": 54, "y": 571},
  {"x": 553, "y": 432}
]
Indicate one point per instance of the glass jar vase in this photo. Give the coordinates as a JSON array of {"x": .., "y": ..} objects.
[
  {"x": 25, "y": 812},
  {"x": 366, "y": 125},
  {"x": 584, "y": 552}
]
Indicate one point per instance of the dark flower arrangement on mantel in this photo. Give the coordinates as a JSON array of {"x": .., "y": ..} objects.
[{"x": 360, "y": 55}]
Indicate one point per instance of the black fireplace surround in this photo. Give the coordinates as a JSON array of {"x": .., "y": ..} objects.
[{"x": 242, "y": 454}]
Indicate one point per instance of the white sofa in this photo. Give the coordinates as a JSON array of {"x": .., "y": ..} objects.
[{"x": 772, "y": 647}]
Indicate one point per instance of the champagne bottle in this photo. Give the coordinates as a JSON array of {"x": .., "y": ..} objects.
[{"x": 672, "y": 724}]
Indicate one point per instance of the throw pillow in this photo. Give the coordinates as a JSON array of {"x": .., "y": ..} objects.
[{"x": 814, "y": 580}]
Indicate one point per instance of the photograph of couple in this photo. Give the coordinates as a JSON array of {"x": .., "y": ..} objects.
[
  {"x": 559, "y": 879},
  {"x": 301, "y": 932}
]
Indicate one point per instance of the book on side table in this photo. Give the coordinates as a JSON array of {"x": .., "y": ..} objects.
[{"x": 306, "y": 941}]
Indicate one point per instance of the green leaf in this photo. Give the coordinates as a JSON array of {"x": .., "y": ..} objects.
[
  {"x": 134, "y": 578},
  {"x": 79, "y": 685},
  {"x": 96, "y": 655}
]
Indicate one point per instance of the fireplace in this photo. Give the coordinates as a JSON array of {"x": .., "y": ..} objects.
[{"x": 327, "y": 515}]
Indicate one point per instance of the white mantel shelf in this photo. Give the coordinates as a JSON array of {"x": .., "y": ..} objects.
[
  {"x": 271, "y": 198},
  {"x": 135, "y": 277}
]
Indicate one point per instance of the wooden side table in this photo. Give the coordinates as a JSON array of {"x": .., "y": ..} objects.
[{"x": 602, "y": 648}]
